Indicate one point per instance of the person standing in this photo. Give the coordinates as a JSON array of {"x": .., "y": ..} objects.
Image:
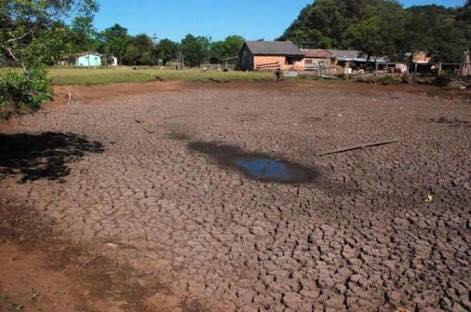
[{"x": 278, "y": 74}]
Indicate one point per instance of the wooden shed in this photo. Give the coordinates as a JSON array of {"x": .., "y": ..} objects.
[
  {"x": 316, "y": 58},
  {"x": 270, "y": 55}
]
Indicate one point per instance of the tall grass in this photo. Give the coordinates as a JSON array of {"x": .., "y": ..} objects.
[{"x": 76, "y": 76}]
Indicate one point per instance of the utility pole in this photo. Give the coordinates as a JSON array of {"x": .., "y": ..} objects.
[
  {"x": 154, "y": 38},
  {"x": 155, "y": 41}
]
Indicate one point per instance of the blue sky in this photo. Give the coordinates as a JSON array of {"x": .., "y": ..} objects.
[{"x": 252, "y": 19}]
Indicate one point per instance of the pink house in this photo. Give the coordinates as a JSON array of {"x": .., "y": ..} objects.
[{"x": 270, "y": 55}]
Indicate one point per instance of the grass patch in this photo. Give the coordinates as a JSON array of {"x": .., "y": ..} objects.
[{"x": 75, "y": 76}]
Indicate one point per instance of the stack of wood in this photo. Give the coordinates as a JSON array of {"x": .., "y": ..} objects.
[{"x": 268, "y": 67}]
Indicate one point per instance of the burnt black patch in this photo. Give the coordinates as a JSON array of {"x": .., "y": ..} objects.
[
  {"x": 258, "y": 166},
  {"x": 44, "y": 155}
]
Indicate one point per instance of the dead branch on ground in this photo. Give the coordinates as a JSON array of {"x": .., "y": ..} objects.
[{"x": 356, "y": 147}]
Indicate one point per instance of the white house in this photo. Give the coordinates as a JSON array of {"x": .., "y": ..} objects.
[{"x": 87, "y": 59}]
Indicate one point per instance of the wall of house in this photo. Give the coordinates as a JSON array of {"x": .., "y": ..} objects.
[
  {"x": 88, "y": 60},
  {"x": 262, "y": 60},
  {"x": 314, "y": 61},
  {"x": 246, "y": 59},
  {"x": 299, "y": 65},
  {"x": 250, "y": 62}
]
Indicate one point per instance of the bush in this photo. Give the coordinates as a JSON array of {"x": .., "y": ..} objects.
[
  {"x": 442, "y": 81},
  {"x": 390, "y": 80},
  {"x": 22, "y": 93},
  {"x": 406, "y": 78}
]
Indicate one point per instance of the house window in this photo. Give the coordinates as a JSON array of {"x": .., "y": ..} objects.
[
  {"x": 289, "y": 61},
  {"x": 308, "y": 61}
]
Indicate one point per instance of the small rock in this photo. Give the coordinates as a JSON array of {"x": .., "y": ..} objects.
[
  {"x": 341, "y": 288},
  {"x": 111, "y": 245},
  {"x": 394, "y": 297},
  {"x": 292, "y": 300}
]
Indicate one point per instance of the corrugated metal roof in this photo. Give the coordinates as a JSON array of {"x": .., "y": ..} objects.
[
  {"x": 273, "y": 48},
  {"x": 347, "y": 54},
  {"x": 86, "y": 53},
  {"x": 316, "y": 53},
  {"x": 355, "y": 56}
]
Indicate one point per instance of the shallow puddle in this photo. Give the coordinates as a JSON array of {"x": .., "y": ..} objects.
[
  {"x": 256, "y": 165},
  {"x": 270, "y": 170}
]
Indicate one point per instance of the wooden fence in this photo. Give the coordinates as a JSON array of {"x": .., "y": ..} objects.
[{"x": 268, "y": 67}]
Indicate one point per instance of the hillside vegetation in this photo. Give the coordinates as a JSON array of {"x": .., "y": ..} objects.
[{"x": 384, "y": 27}]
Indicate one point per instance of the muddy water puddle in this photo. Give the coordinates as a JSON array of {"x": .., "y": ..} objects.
[
  {"x": 271, "y": 170},
  {"x": 256, "y": 166}
]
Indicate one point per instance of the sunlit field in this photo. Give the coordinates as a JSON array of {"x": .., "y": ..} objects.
[{"x": 85, "y": 76}]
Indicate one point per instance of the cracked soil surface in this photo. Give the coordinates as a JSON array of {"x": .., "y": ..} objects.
[{"x": 378, "y": 229}]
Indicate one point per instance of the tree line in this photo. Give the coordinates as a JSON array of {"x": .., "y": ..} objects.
[
  {"x": 143, "y": 50},
  {"x": 80, "y": 36},
  {"x": 384, "y": 28},
  {"x": 35, "y": 34}
]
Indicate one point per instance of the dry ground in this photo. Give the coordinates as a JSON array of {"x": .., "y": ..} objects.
[{"x": 118, "y": 200}]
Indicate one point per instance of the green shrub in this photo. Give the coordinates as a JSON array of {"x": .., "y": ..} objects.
[
  {"x": 23, "y": 92},
  {"x": 442, "y": 81},
  {"x": 390, "y": 80}
]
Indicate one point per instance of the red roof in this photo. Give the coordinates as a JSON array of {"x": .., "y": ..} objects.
[{"x": 316, "y": 53}]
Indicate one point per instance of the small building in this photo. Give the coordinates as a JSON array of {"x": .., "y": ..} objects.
[
  {"x": 87, "y": 59},
  {"x": 113, "y": 61},
  {"x": 357, "y": 60},
  {"x": 270, "y": 55},
  {"x": 421, "y": 62},
  {"x": 421, "y": 58},
  {"x": 315, "y": 59}
]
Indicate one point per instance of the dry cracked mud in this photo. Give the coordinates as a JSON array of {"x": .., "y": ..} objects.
[{"x": 378, "y": 229}]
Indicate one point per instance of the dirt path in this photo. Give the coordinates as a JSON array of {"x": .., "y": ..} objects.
[{"x": 145, "y": 181}]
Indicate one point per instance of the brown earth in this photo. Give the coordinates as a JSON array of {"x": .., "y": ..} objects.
[
  {"x": 87, "y": 94},
  {"x": 130, "y": 205},
  {"x": 42, "y": 271}
]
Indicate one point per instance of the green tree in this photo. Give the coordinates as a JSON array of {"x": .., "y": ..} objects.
[
  {"x": 132, "y": 54},
  {"x": 113, "y": 41},
  {"x": 324, "y": 23},
  {"x": 140, "y": 50},
  {"x": 195, "y": 50},
  {"x": 230, "y": 47},
  {"x": 443, "y": 32},
  {"x": 82, "y": 34},
  {"x": 381, "y": 32},
  {"x": 218, "y": 52},
  {"x": 31, "y": 34},
  {"x": 167, "y": 50},
  {"x": 383, "y": 27},
  {"x": 26, "y": 24}
]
